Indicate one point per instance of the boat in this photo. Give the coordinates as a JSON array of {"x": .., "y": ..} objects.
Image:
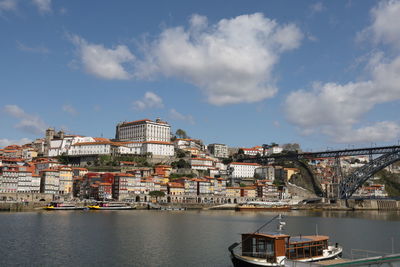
[
  {"x": 172, "y": 208},
  {"x": 111, "y": 206},
  {"x": 62, "y": 206},
  {"x": 273, "y": 248},
  {"x": 263, "y": 206}
]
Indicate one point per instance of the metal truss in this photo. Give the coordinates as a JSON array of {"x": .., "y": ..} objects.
[
  {"x": 351, "y": 183},
  {"x": 323, "y": 154}
]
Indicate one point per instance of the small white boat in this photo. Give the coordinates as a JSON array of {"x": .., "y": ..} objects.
[{"x": 272, "y": 249}]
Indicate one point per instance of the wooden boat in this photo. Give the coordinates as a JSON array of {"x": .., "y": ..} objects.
[
  {"x": 62, "y": 206},
  {"x": 111, "y": 206},
  {"x": 272, "y": 249}
]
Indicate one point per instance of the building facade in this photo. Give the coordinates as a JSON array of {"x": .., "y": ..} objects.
[
  {"x": 243, "y": 170},
  {"x": 143, "y": 130},
  {"x": 218, "y": 150}
]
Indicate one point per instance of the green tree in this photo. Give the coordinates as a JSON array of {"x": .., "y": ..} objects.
[
  {"x": 227, "y": 161},
  {"x": 180, "y": 164},
  {"x": 181, "y": 134},
  {"x": 63, "y": 159},
  {"x": 180, "y": 153}
]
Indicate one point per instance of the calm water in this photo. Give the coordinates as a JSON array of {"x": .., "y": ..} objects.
[{"x": 170, "y": 238}]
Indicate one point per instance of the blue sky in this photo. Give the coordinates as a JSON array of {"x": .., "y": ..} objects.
[{"x": 319, "y": 73}]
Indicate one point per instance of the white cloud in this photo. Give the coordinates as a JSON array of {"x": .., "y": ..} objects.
[
  {"x": 379, "y": 132},
  {"x": 27, "y": 123},
  {"x": 150, "y": 100},
  {"x": 34, "y": 49},
  {"x": 44, "y": 6},
  {"x": 8, "y": 5},
  {"x": 103, "y": 62},
  {"x": 6, "y": 142},
  {"x": 334, "y": 109},
  {"x": 231, "y": 61},
  {"x": 69, "y": 109},
  {"x": 179, "y": 116},
  {"x": 386, "y": 22},
  {"x": 317, "y": 7}
]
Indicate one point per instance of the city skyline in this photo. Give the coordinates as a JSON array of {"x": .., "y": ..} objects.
[{"x": 318, "y": 73}]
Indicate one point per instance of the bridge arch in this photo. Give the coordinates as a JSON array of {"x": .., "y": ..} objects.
[{"x": 351, "y": 183}]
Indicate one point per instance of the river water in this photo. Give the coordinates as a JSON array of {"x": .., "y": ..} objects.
[{"x": 172, "y": 238}]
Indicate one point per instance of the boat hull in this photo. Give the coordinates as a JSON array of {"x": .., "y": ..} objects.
[
  {"x": 239, "y": 261},
  {"x": 110, "y": 208},
  {"x": 64, "y": 208},
  {"x": 283, "y": 208}
]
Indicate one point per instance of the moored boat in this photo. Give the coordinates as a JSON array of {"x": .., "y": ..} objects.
[
  {"x": 272, "y": 249},
  {"x": 263, "y": 206},
  {"x": 111, "y": 206},
  {"x": 62, "y": 206}
]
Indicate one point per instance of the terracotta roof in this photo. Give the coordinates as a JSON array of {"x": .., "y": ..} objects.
[
  {"x": 243, "y": 163},
  {"x": 101, "y": 139},
  {"x": 93, "y": 143},
  {"x": 135, "y": 122},
  {"x": 179, "y": 185}
]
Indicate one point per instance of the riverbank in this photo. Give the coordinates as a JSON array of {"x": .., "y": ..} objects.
[{"x": 339, "y": 206}]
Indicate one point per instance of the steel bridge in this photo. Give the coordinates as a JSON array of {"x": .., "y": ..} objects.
[{"x": 347, "y": 185}]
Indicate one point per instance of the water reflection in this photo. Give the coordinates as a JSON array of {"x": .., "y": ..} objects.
[{"x": 154, "y": 238}]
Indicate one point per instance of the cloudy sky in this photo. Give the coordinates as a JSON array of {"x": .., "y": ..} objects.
[{"x": 320, "y": 73}]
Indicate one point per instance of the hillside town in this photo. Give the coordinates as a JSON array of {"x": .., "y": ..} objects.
[{"x": 146, "y": 162}]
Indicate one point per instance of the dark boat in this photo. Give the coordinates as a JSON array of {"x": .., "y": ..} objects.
[{"x": 272, "y": 249}]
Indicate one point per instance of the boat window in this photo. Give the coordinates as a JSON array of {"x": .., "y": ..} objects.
[{"x": 305, "y": 250}]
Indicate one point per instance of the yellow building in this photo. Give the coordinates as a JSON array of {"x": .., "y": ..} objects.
[
  {"x": 176, "y": 189},
  {"x": 66, "y": 176},
  {"x": 233, "y": 191},
  {"x": 289, "y": 172}
]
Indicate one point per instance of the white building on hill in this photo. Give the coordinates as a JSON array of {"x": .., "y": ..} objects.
[
  {"x": 143, "y": 130},
  {"x": 243, "y": 170}
]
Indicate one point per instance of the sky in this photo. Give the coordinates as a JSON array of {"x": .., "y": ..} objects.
[{"x": 324, "y": 74}]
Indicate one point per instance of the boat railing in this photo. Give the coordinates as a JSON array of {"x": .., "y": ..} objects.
[{"x": 362, "y": 253}]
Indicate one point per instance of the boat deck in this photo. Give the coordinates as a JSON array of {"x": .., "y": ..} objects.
[{"x": 334, "y": 261}]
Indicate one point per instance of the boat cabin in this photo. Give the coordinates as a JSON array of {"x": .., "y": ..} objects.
[{"x": 270, "y": 246}]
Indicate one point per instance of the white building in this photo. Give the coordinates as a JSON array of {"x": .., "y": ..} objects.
[
  {"x": 35, "y": 183},
  {"x": 24, "y": 182},
  {"x": 90, "y": 148},
  {"x": 201, "y": 163},
  {"x": 274, "y": 150},
  {"x": 218, "y": 150},
  {"x": 50, "y": 181},
  {"x": 60, "y": 146},
  {"x": 158, "y": 148},
  {"x": 143, "y": 130},
  {"x": 243, "y": 170},
  {"x": 251, "y": 151},
  {"x": 184, "y": 143}
]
